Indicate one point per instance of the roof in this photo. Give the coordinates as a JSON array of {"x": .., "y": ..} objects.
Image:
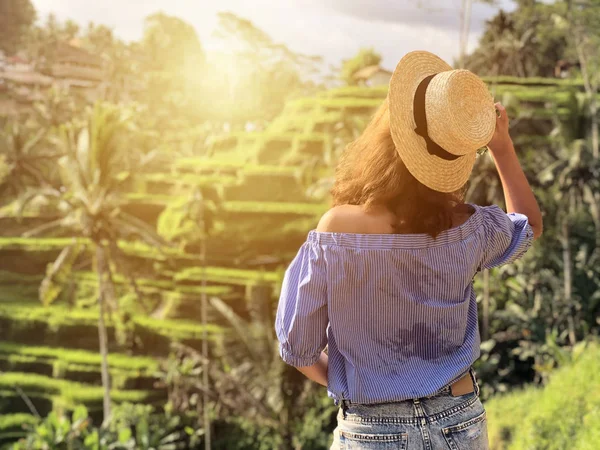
[
  {"x": 69, "y": 53},
  {"x": 77, "y": 72},
  {"x": 25, "y": 94},
  {"x": 26, "y": 77},
  {"x": 79, "y": 83},
  {"x": 367, "y": 72},
  {"x": 16, "y": 59}
]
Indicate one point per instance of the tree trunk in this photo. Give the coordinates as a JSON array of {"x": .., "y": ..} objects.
[
  {"x": 102, "y": 336},
  {"x": 204, "y": 320},
  {"x": 465, "y": 26},
  {"x": 486, "y": 305},
  {"x": 284, "y": 421},
  {"x": 568, "y": 279},
  {"x": 594, "y": 118}
]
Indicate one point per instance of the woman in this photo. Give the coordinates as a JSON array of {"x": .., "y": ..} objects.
[{"x": 386, "y": 279}]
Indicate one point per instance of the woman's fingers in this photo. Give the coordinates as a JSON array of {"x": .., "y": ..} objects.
[{"x": 502, "y": 114}]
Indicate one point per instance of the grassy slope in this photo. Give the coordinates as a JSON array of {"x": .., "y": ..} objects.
[{"x": 564, "y": 414}]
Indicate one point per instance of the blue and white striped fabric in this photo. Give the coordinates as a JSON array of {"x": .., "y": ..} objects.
[{"x": 397, "y": 311}]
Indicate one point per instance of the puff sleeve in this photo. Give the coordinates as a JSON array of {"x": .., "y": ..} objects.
[
  {"x": 507, "y": 237},
  {"x": 302, "y": 318}
]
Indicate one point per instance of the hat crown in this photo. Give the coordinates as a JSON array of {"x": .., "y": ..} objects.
[
  {"x": 460, "y": 111},
  {"x": 459, "y": 117}
]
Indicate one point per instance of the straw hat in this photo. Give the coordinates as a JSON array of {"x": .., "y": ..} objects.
[{"x": 439, "y": 118}]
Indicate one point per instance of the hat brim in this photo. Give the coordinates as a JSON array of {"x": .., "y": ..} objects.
[{"x": 434, "y": 172}]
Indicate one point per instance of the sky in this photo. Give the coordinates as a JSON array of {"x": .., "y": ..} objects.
[{"x": 333, "y": 29}]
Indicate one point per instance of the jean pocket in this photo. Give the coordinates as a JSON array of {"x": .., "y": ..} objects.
[
  {"x": 361, "y": 441},
  {"x": 468, "y": 435}
]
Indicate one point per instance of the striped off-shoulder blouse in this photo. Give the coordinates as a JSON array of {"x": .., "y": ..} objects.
[{"x": 397, "y": 312}]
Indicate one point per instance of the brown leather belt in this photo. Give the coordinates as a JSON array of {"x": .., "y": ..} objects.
[{"x": 464, "y": 385}]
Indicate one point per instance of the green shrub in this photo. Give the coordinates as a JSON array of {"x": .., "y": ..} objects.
[{"x": 131, "y": 427}]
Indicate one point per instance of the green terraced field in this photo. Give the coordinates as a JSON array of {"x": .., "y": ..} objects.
[
  {"x": 200, "y": 164},
  {"x": 234, "y": 276},
  {"x": 183, "y": 180},
  {"x": 148, "y": 285},
  {"x": 13, "y": 420},
  {"x": 127, "y": 371},
  {"x": 534, "y": 81},
  {"x": 38, "y": 244},
  {"x": 142, "y": 250},
  {"x": 66, "y": 392},
  {"x": 58, "y": 316},
  {"x": 376, "y": 92},
  {"x": 12, "y": 426},
  {"x": 306, "y": 122},
  {"x": 234, "y": 206},
  {"x": 336, "y": 103},
  {"x": 80, "y": 357}
]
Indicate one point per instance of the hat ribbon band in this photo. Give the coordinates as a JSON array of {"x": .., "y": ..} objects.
[{"x": 421, "y": 121}]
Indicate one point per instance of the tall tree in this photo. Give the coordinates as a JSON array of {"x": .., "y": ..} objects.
[
  {"x": 89, "y": 200},
  {"x": 172, "y": 63},
  {"x": 524, "y": 42},
  {"x": 255, "y": 77},
  {"x": 16, "y": 17},
  {"x": 572, "y": 178},
  {"x": 26, "y": 158},
  {"x": 583, "y": 24}
]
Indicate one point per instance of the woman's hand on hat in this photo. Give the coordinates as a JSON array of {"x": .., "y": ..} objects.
[{"x": 501, "y": 139}]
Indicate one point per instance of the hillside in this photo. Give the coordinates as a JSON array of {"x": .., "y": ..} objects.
[{"x": 563, "y": 414}]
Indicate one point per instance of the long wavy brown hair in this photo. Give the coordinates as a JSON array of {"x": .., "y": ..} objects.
[{"x": 371, "y": 173}]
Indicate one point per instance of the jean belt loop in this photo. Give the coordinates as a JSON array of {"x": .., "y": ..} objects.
[
  {"x": 474, "y": 378},
  {"x": 344, "y": 405}
]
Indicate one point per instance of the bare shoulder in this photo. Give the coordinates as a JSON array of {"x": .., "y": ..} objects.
[
  {"x": 339, "y": 218},
  {"x": 354, "y": 219}
]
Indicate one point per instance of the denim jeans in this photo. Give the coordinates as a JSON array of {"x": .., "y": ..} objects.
[{"x": 438, "y": 421}]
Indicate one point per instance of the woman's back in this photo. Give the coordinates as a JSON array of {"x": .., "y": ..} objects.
[{"x": 397, "y": 311}]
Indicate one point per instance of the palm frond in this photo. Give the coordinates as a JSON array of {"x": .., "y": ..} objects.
[
  {"x": 26, "y": 198},
  {"x": 142, "y": 229},
  {"x": 45, "y": 228},
  {"x": 58, "y": 273},
  {"x": 246, "y": 337},
  {"x": 33, "y": 141}
]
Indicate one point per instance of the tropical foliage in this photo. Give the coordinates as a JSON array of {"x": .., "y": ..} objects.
[
  {"x": 145, "y": 236},
  {"x": 133, "y": 427}
]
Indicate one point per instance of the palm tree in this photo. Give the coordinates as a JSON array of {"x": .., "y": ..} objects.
[
  {"x": 24, "y": 157},
  {"x": 89, "y": 202},
  {"x": 574, "y": 174},
  {"x": 503, "y": 50}
]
